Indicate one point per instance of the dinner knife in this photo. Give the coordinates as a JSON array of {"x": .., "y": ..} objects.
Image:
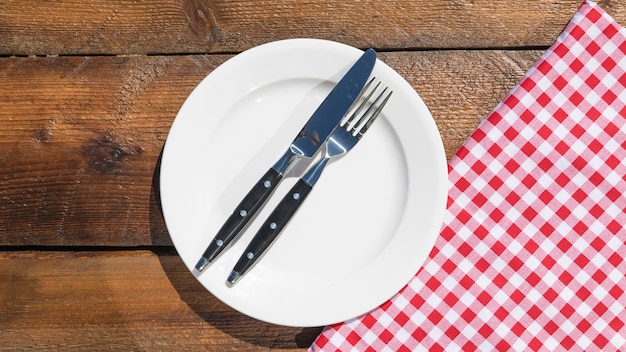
[{"x": 306, "y": 143}]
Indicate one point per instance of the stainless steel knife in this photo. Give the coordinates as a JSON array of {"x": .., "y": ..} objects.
[{"x": 306, "y": 143}]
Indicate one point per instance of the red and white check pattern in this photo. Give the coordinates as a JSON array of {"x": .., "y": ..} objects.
[{"x": 532, "y": 251}]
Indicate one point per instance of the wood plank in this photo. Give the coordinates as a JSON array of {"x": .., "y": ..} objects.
[
  {"x": 80, "y": 144},
  {"x": 123, "y": 300},
  {"x": 81, "y": 136},
  {"x": 75, "y": 27}
]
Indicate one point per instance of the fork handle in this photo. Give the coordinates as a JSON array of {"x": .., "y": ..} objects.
[
  {"x": 271, "y": 228},
  {"x": 244, "y": 212}
]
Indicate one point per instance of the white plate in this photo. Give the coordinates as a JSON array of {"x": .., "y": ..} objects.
[{"x": 367, "y": 226}]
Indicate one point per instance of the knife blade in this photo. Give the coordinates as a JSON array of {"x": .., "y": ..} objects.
[{"x": 306, "y": 143}]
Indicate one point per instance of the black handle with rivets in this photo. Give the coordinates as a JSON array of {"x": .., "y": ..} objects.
[
  {"x": 271, "y": 228},
  {"x": 244, "y": 212}
]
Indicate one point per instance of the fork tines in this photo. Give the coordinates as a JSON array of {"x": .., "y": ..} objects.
[{"x": 359, "y": 122}]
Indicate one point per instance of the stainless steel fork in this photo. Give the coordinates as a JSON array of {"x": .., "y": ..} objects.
[{"x": 342, "y": 140}]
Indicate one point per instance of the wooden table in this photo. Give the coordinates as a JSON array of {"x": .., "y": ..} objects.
[{"x": 88, "y": 92}]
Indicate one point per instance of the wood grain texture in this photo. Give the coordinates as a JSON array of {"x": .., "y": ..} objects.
[
  {"x": 80, "y": 145},
  {"x": 123, "y": 300},
  {"x": 102, "y": 27}
]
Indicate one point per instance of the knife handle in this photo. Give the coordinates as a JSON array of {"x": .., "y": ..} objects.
[
  {"x": 271, "y": 228},
  {"x": 244, "y": 212}
]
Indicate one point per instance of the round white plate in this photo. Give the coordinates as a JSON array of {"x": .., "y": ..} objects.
[{"x": 365, "y": 229}]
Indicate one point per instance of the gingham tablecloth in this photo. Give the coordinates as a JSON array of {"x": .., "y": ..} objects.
[{"x": 531, "y": 252}]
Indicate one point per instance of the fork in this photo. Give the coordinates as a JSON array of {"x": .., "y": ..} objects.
[{"x": 342, "y": 140}]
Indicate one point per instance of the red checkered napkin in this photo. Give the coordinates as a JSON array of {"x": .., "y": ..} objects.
[{"x": 531, "y": 253}]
